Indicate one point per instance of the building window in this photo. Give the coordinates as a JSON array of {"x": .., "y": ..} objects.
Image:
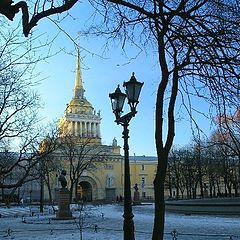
[
  {"x": 143, "y": 167},
  {"x": 109, "y": 182},
  {"x": 143, "y": 182}
]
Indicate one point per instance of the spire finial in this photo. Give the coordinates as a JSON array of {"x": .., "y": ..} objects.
[{"x": 78, "y": 88}]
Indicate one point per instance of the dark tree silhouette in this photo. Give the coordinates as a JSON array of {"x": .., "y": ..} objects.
[{"x": 41, "y": 9}]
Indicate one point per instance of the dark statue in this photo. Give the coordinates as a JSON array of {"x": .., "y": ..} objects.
[
  {"x": 62, "y": 179},
  {"x": 136, "y": 187}
]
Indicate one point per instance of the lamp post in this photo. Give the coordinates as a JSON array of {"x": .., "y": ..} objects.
[{"x": 132, "y": 89}]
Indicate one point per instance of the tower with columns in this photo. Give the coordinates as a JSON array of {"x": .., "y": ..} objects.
[{"x": 80, "y": 120}]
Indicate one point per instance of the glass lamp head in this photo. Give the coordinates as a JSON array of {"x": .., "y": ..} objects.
[
  {"x": 117, "y": 100},
  {"x": 133, "y": 89}
]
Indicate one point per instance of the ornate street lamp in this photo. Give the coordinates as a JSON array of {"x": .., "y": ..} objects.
[{"x": 132, "y": 89}]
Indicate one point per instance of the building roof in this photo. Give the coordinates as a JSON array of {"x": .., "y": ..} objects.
[{"x": 143, "y": 158}]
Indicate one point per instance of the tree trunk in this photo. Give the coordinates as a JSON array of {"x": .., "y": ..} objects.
[
  {"x": 49, "y": 193},
  {"x": 158, "y": 227},
  {"x": 41, "y": 194},
  {"x": 188, "y": 192},
  {"x": 170, "y": 186},
  {"x": 71, "y": 191},
  {"x": 177, "y": 190},
  {"x": 235, "y": 190},
  {"x": 214, "y": 190},
  {"x": 229, "y": 187},
  {"x": 182, "y": 192},
  {"x": 210, "y": 190},
  {"x": 225, "y": 188},
  {"x": 201, "y": 186},
  {"x": 163, "y": 151},
  {"x": 219, "y": 193},
  {"x": 47, "y": 180}
]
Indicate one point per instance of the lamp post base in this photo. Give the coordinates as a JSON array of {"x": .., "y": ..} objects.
[{"x": 128, "y": 227}]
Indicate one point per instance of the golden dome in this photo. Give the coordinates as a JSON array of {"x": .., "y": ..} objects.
[{"x": 77, "y": 105}]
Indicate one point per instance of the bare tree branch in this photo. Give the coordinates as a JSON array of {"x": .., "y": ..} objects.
[{"x": 9, "y": 9}]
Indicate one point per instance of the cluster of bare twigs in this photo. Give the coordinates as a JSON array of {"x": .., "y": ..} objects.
[{"x": 41, "y": 9}]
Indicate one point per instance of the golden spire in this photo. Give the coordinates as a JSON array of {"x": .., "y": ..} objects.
[{"x": 78, "y": 88}]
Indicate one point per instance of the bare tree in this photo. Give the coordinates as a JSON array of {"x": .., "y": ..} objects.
[
  {"x": 48, "y": 163},
  {"x": 175, "y": 167},
  {"x": 212, "y": 169},
  {"x": 180, "y": 162},
  {"x": 227, "y": 135},
  {"x": 199, "y": 149},
  {"x": 17, "y": 117},
  {"x": 20, "y": 131},
  {"x": 48, "y": 172},
  {"x": 22, "y": 166},
  {"x": 80, "y": 155},
  {"x": 227, "y": 163}
]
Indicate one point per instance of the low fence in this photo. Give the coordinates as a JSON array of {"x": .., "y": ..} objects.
[
  {"x": 178, "y": 235},
  {"x": 174, "y": 235}
]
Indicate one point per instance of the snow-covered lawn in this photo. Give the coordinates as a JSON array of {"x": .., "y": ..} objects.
[{"x": 105, "y": 222}]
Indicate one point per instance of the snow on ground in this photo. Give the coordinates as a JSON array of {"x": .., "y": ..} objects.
[{"x": 104, "y": 222}]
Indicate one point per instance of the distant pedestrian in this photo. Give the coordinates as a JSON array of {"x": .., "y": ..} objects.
[
  {"x": 23, "y": 220},
  {"x": 95, "y": 228},
  {"x": 174, "y": 234},
  {"x": 9, "y": 231},
  {"x": 102, "y": 215},
  {"x": 117, "y": 199}
]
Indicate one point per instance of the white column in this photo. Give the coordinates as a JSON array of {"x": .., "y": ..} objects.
[
  {"x": 85, "y": 129},
  {"x": 72, "y": 127},
  {"x": 76, "y": 129},
  {"x": 80, "y": 129},
  {"x": 94, "y": 130},
  {"x": 89, "y": 130},
  {"x": 98, "y": 130}
]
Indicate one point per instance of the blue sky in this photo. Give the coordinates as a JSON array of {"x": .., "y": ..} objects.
[{"x": 101, "y": 76}]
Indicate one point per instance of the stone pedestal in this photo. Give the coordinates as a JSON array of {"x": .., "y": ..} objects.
[
  {"x": 64, "y": 205},
  {"x": 136, "y": 198}
]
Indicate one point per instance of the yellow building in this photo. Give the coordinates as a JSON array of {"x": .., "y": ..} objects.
[{"x": 104, "y": 182}]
